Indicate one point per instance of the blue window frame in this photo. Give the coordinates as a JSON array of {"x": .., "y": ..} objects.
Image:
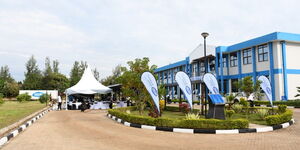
[
  {"x": 247, "y": 56},
  {"x": 233, "y": 60},
  {"x": 263, "y": 53}
]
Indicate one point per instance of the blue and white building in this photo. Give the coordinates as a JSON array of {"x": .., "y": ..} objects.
[{"x": 275, "y": 55}]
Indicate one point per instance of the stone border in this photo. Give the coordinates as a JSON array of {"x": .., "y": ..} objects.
[
  {"x": 21, "y": 128},
  {"x": 204, "y": 131}
]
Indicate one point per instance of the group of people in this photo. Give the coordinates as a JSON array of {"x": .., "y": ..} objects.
[{"x": 83, "y": 103}]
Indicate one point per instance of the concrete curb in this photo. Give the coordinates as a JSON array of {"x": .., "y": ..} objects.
[
  {"x": 203, "y": 131},
  {"x": 21, "y": 128}
]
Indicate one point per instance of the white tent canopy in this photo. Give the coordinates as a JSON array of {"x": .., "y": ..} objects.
[{"x": 88, "y": 85}]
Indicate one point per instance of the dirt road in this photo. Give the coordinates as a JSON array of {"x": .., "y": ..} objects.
[{"x": 92, "y": 130}]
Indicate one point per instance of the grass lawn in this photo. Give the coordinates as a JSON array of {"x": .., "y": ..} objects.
[
  {"x": 12, "y": 111},
  {"x": 253, "y": 118},
  {"x": 166, "y": 114}
]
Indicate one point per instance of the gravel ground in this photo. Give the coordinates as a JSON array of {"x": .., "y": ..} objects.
[{"x": 73, "y": 130}]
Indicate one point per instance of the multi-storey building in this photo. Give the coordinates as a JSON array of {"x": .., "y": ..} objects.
[{"x": 274, "y": 55}]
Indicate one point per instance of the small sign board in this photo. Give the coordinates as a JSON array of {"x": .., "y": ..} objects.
[{"x": 216, "y": 99}]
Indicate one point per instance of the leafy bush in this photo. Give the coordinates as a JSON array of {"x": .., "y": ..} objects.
[
  {"x": 1, "y": 99},
  {"x": 229, "y": 113},
  {"x": 237, "y": 108},
  {"x": 184, "y": 108},
  {"x": 23, "y": 97},
  {"x": 44, "y": 98},
  {"x": 180, "y": 123},
  {"x": 262, "y": 113},
  {"x": 281, "y": 109},
  {"x": 192, "y": 116},
  {"x": 244, "y": 102},
  {"x": 280, "y": 118}
]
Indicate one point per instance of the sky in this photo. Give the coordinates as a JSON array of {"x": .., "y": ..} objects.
[{"x": 106, "y": 33}]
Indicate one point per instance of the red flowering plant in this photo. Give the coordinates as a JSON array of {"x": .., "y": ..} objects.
[{"x": 183, "y": 107}]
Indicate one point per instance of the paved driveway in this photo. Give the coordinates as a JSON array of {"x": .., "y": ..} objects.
[{"x": 73, "y": 130}]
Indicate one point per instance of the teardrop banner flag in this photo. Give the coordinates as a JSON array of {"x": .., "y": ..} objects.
[
  {"x": 266, "y": 86},
  {"x": 211, "y": 83},
  {"x": 151, "y": 86},
  {"x": 185, "y": 85}
]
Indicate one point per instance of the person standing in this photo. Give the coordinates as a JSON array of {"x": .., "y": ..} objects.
[{"x": 59, "y": 102}]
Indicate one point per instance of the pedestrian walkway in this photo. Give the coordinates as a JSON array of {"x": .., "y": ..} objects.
[{"x": 92, "y": 130}]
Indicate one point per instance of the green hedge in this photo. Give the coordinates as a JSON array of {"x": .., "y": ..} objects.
[
  {"x": 280, "y": 118},
  {"x": 180, "y": 123},
  {"x": 295, "y": 103},
  {"x": 177, "y": 101}
]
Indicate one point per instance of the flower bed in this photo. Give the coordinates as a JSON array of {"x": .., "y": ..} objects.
[{"x": 179, "y": 123}]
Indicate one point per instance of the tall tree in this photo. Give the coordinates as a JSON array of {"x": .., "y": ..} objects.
[
  {"x": 55, "y": 66},
  {"x": 48, "y": 68},
  {"x": 77, "y": 71},
  {"x": 131, "y": 81},
  {"x": 96, "y": 74},
  {"x": 114, "y": 78},
  {"x": 32, "y": 67},
  {"x": 4, "y": 74},
  {"x": 33, "y": 76},
  {"x": 56, "y": 81},
  {"x": 8, "y": 86}
]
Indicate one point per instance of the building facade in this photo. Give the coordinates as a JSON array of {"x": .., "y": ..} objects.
[{"x": 274, "y": 55}]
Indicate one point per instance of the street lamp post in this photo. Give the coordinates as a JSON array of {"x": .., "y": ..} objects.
[{"x": 204, "y": 35}]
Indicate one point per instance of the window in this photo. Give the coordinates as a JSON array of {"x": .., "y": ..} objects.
[
  {"x": 263, "y": 53},
  {"x": 195, "y": 66},
  {"x": 224, "y": 61},
  {"x": 202, "y": 67},
  {"x": 233, "y": 60},
  {"x": 247, "y": 56}
]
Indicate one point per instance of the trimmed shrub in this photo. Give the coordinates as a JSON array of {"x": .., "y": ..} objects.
[
  {"x": 281, "y": 109},
  {"x": 280, "y": 118},
  {"x": 177, "y": 101},
  {"x": 237, "y": 108},
  {"x": 214, "y": 124},
  {"x": 180, "y": 123},
  {"x": 262, "y": 113},
  {"x": 244, "y": 102},
  {"x": 44, "y": 98},
  {"x": 23, "y": 97},
  {"x": 172, "y": 108},
  {"x": 229, "y": 113},
  {"x": 1, "y": 99},
  {"x": 295, "y": 103}
]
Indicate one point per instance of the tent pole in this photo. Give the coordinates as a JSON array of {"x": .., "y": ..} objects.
[{"x": 67, "y": 99}]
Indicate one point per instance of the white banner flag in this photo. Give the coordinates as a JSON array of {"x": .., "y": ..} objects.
[
  {"x": 151, "y": 86},
  {"x": 266, "y": 86},
  {"x": 211, "y": 83},
  {"x": 185, "y": 85}
]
